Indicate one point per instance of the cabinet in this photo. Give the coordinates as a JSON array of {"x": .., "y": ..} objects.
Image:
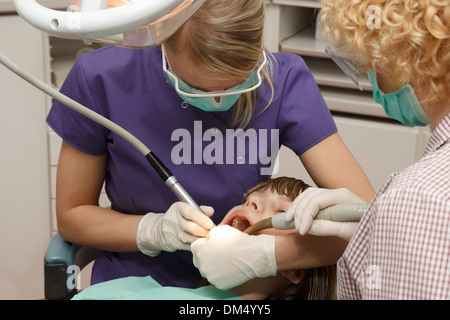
[{"x": 381, "y": 145}]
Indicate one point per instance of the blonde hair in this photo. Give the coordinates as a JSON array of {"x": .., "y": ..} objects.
[
  {"x": 412, "y": 40},
  {"x": 226, "y": 38}
]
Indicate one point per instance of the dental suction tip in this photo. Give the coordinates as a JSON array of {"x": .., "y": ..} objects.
[
  {"x": 278, "y": 221},
  {"x": 259, "y": 226},
  {"x": 347, "y": 212}
]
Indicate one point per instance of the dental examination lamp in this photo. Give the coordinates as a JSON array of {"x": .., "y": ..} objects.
[{"x": 128, "y": 23}]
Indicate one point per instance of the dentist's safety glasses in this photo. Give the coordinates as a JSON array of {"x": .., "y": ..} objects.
[
  {"x": 126, "y": 23},
  {"x": 252, "y": 83},
  {"x": 347, "y": 66}
]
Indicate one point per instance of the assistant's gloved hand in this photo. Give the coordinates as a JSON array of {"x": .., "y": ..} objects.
[
  {"x": 307, "y": 205},
  {"x": 229, "y": 257},
  {"x": 175, "y": 230}
]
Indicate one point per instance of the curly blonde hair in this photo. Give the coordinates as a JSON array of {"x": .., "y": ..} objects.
[
  {"x": 226, "y": 37},
  {"x": 412, "y": 41}
]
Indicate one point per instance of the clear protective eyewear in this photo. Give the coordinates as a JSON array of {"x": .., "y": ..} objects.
[
  {"x": 252, "y": 83},
  {"x": 347, "y": 66}
]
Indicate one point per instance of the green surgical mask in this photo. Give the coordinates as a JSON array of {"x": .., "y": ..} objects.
[{"x": 402, "y": 105}]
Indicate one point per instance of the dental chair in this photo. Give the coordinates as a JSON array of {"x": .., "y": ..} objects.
[{"x": 60, "y": 273}]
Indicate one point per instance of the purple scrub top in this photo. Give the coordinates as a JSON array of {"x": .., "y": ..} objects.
[{"x": 128, "y": 87}]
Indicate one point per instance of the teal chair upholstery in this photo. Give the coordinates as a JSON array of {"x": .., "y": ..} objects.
[{"x": 62, "y": 261}]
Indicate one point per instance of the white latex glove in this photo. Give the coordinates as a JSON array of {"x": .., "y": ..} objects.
[
  {"x": 175, "y": 230},
  {"x": 308, "y": 204},
  {"x": 229, "y": 257}
]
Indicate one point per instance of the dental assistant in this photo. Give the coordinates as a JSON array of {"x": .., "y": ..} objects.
[
  {"x": 401, "y": 247},
  {"x": 162, "y": 95}
]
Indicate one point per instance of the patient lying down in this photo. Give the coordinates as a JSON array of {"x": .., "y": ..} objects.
[{"x": 263, "y": 201}]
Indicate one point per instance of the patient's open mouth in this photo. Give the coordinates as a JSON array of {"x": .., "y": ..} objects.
[
  {"x": 239, "y": 220},
  {"x": 240, "y": 223}
]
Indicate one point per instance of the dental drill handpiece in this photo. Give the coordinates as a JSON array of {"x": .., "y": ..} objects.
[{"x": 170, "y": 180}]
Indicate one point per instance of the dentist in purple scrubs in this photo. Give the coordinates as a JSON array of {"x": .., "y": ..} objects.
[{"x": 214, "y": 106}]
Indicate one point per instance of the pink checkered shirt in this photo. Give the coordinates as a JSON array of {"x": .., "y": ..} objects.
[{"x": 401, "y": 249}]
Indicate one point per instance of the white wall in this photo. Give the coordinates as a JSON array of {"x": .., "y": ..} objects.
[{"x": 24, "y": 176}]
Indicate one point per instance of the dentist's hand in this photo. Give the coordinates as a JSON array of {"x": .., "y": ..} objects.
[
  {"x": 308, "y": 204},
  {"x": 229, "y": 257},
  {"x": 175, "y": 230}
]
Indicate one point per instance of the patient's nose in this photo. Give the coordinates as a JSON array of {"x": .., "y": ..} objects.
[{"x": 255, "y": 204}]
